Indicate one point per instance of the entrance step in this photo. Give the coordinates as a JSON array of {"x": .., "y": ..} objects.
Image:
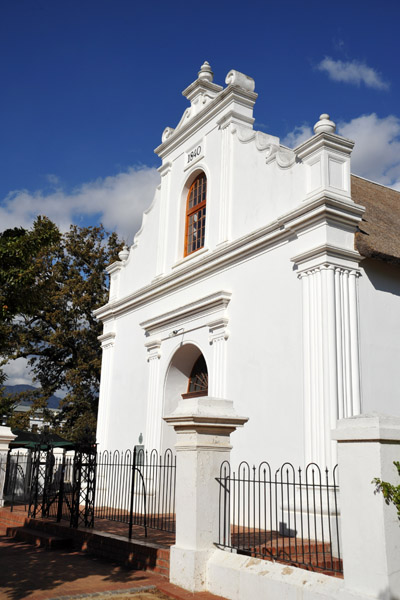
[{"x": 39, "y": 538}]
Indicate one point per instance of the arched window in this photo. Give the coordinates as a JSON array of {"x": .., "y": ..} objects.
[
  {"x": 198, "y": 380},
  {"x": 196, "y": 215}
]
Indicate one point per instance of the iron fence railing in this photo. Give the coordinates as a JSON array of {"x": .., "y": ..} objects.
[
  {"x": 137, "y": 488},
  {"x": 15, "y": 479},
  {"x": 133, "y": 487},
  {"x": 288, "y": 516}
]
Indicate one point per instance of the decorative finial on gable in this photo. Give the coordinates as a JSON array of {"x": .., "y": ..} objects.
[
  {"x": 324, "y": 125},
  {"x": 124, "y": 253},
  {"x": 205, "y": 72}
]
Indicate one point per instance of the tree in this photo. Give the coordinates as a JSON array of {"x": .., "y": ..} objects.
[
  {"x": 21, "y": 281},
  {"x": 21, "y": 288},
  {"x": 390, "y": 492},
  {"x": 59, "y": 335}
]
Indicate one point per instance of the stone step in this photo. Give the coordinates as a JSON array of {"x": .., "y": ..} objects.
[
  {"x": 11, "y": 518},
  {"x": 39, "y": 538}
]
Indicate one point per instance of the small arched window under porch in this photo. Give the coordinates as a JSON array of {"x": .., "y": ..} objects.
[{"x": 198, "y": 380}]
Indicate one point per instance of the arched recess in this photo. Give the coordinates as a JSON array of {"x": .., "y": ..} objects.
[{"x": 177, "y": 383}]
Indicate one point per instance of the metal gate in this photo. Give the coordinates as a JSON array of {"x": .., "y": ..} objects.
[{"x": 64, "y": 488}]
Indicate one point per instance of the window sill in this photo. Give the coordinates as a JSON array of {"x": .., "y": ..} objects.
[{"x": 191, "y": 256}]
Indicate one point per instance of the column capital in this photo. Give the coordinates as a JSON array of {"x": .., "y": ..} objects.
[
  {"x": 153, "y": 349},
  {"x": 218, "y": 330},
  {"x": 107, "y": 340},
  {"x": 327, "y": 256}
]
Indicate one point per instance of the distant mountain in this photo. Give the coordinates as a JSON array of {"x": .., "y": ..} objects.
[{"x": 53, "y": 401}]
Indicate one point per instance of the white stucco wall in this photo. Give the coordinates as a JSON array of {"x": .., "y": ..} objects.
[
  {"x": 379, "y": 299},
  {"x": 274, "y": 300}
]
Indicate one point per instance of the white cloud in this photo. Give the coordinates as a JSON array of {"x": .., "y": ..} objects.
[
  {"x": 18, "y": 372},
  {"x": 354, "y": 72},
  {"x": 376, "y": 153},
  {"x": 117, "y": 201},
  {"x": 300, "y": 134}
]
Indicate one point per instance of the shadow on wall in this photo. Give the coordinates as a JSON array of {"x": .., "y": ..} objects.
[
  {"x": 388, "y": 595},
  {"x": 383, "y": 276},
  {"x": 176, "y": 384}
]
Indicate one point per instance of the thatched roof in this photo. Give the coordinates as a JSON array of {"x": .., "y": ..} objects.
[{"x": 379, "y": 231}]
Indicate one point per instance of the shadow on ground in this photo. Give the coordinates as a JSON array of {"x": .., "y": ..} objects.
[{"x": 26, "y": 570}]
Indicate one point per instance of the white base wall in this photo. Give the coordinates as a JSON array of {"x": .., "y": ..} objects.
[{"x": 239, "y": 577}]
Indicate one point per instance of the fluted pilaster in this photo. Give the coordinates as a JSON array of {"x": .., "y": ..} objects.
[{"x": 331, "y": 356}]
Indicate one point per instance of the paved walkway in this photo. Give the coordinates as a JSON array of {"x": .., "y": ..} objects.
[{"x": 29, "y": 573}]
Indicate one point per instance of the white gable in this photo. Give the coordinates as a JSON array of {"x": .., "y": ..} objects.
[{"x": 270, "y": 299}]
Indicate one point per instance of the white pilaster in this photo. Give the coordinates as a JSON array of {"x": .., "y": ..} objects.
[
  {"x": 218, "y": 334},
  {"x": 154, "y": 408},
  {"x": 331, "y": 359},
  {"x": 226, "y": 182},
  {"x": 107, "y": 343},
  {"x": 164, "y": 171}
]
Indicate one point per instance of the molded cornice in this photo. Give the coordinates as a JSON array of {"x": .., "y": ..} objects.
[
  {"x": 332, "y": 141},
  {"x": 323, "y": 209},
  {"x": 202, "y": 307}
]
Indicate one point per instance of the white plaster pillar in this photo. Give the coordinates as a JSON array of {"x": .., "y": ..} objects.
[
  {"x": 226, "y": 182},
  {"x": 6, "y": 436},
  {"x": 107, "y": 343},
  {"x": 203, "y": 427},
  {"x": 331, "y": 356},
  {"x": 152, "y": 438},
  {"x": 218, "y": 334},
  {"x": 164, "y": 171},
  {"x": 367, "y": 447}
]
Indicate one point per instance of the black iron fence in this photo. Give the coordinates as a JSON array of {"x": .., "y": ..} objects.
[
  {"x": 289, "y": 516},
  {"x": 15, "y": 478},
  {"x": 137, "y": 488},
  {"x": 133, "y": 487}
]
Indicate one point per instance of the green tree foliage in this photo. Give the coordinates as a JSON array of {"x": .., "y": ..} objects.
[
  {"x": 390, "y": 492},
  {"x": 58, "y": 334},
  {"x": 21, "y": 282},
  {"x": 22, "y": 287}
]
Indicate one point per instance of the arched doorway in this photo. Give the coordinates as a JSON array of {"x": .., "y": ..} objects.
[{"x": 187, "y": 376}]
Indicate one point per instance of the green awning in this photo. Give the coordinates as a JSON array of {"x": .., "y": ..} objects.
[{"x": 30, "y": 440}]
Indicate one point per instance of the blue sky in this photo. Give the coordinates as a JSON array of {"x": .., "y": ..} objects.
[{"x": 87, "y": 88}]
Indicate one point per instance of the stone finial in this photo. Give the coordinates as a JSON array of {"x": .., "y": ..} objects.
[
  {"x": 123, "y": 255},
  {"x": 205, "y": 72},
  {"x": 324, "y": 125}
]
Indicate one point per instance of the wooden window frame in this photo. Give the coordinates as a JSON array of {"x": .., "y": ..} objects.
[
  {"x": 191, "y": 211},
  {"x": 197, "y": 393}
]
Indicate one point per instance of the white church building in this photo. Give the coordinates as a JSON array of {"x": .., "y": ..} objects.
[{"x": 261, "y": 274}]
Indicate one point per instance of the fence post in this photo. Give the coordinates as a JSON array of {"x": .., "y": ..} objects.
[
  {"x": 6, "y": 436},
  {"x": 367, "y": 447},
  {"x": 61, "y": 489},
  {"x": 203, "y": 426},
  {"x": 132, "y": 494}
]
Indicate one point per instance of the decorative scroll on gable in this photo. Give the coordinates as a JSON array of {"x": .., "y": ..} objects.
[
  {"x": 266, "y": 143},
  {"x": 199, "y": 93}
]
